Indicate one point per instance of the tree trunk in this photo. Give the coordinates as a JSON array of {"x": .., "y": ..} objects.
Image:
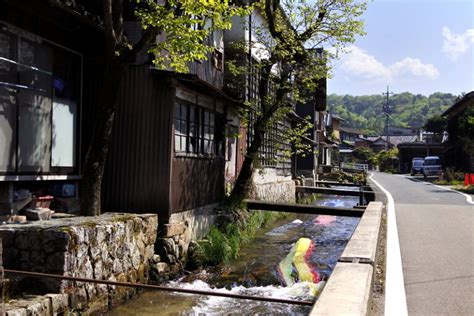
[
  {"x": 94, "y": 163},
  {"x": 244, "y": 180}
]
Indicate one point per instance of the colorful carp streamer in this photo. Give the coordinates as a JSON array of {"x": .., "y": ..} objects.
[
  {"x": 296, "y": 266},
  {"x": 325, "y": 220}
]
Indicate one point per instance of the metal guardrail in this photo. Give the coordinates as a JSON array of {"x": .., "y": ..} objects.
[{"x": 356, "y": 166}]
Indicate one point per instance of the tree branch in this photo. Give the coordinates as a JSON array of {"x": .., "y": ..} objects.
[
  {"x": 148, "y": 36},
  {"x": 270, "y": 8},
  {"x": 117, "y": 18},
  {"x": 308, "y": 33},
  {"x": 110, "y": 36}
]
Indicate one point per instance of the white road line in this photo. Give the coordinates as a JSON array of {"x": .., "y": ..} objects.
[
  {"x": 395, "y": 298},
  {"x": 467, "y": 196}
]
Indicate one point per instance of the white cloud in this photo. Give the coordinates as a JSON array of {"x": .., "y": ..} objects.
[
  {"x": 359, "y": 64},
  {"x": 413, "y": 67},
  {"x": 455, "y": 45}
]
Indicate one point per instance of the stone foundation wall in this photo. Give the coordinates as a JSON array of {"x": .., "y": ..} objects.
[
  {"x": 175, "y": 238},
  {"x": 269, "y": 186},
  {"x": 115, "y": 247}
]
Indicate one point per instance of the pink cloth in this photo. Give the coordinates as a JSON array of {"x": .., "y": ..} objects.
[{"x": 325, "y": 219}]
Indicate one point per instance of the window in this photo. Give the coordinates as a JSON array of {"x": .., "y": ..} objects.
[
  {"x": 195, "y": 130},
  {"x": 39, "y": 96}
]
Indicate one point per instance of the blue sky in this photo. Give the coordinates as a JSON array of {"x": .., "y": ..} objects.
[{"x": 419, "y": 46}]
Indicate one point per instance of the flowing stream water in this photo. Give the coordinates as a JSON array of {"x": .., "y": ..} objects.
[{"x": 255, "y": 271}]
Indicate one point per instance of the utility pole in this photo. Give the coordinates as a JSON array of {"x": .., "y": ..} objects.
[{"x": 387, "y": 110}]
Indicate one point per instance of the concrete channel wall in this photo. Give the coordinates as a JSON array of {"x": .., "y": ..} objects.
[{"x": 348, "y": 289}]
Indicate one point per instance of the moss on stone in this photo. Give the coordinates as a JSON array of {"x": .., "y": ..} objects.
[
  {"x": 89, "y": 224},
  {"x": 123, "y": 218}
]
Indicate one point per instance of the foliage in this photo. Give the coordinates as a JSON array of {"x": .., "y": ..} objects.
[
  {"x": 223, "y": 244},
  {"x": 185, "y": 24},
  {"x": 363, "y": 155},
  {"x": 291, "y": 63},
  {"x": 176, "y": 32},
  {"x": 450, "y": 175},
  {"x": 466, "y": 129},
  {"x": 435, "y": 124},
  {"x": 386, "y": 160},
  {"x": 468, "y": 189},
  {"x": 448, "y": 182},
  {"x": 408, "y": 110},
  {"x": 356, "y": 177}
]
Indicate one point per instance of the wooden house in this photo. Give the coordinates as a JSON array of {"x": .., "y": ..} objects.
[{"x": 456, "y": 154}]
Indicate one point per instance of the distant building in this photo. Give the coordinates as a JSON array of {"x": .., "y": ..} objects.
[{"x": 399, "y": 131}]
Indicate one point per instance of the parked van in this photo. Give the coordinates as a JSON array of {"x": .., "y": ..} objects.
[
  {"x": 432, "y": 166},
  {"x": 416, "y": 165}
]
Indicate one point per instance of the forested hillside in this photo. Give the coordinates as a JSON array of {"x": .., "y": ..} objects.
[{"x": 408, "y": 110}]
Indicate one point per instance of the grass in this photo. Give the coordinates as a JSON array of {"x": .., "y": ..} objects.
[
  {"x": 223, "y": 244},
  {"x": 448, "y": 182},
  {"x": 469, "y": 189}
]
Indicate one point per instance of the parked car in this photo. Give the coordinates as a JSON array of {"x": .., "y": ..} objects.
[
  {"x": 432, "y": 166},
  {"x": 417, "y": 165}
]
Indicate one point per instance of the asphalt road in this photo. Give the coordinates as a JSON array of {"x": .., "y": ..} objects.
[{"x": 436, "y": 234}]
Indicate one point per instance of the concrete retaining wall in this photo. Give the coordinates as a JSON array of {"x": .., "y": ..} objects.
[{"x": 348, "y": 289}]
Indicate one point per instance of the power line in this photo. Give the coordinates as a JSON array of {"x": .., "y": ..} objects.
[{"x": 387, "y": 111}]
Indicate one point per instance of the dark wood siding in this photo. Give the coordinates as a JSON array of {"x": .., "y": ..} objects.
[
  {"x": 206, "y": 70},
  {"x": 196, "y": 182},
  {"x": 138, "y": 169}
]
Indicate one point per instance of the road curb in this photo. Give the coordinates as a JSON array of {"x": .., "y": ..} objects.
[{"x": 349, "y": 287}]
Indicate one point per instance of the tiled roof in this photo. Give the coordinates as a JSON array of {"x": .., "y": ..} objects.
[
  {"x": 351, "y": 130},
  {"x": 394, "y": 140}
]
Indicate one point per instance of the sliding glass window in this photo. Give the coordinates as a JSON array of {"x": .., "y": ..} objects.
[{"x": 39, "y": 97}]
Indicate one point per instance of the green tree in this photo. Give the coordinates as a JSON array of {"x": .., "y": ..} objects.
[
  {"x": 435, "y": 124},
  {"x": 466, "y": 129},
  {"x": 294, "y": 31},
  {"x": 184, "y": 25},
  {"x": 409, "y": 110},
  {"x": 364, "y": 155}
]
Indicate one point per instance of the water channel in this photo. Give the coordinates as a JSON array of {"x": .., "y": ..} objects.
[{"x": 255, "y": 271}]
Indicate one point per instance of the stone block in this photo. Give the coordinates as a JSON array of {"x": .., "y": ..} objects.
[
  {"x": 78, "y": 299},
  {"x": 38, "y": 214},
  {"x": 15, "y": 219},
  {"x": 55, "y": 240},
  {"x": 155, "y": 258},
  {"x": 91, "y": 247},
  {"x": 59, "y": 302},
  {"x": 17, "y": 312},
  {"x": 162, "y": 267},
  {"x": 39, "y": 307},
  {"x": 174, "y": 229},
  {"x": 8, "y": 237},
  {"x": 55, "y": 262}
]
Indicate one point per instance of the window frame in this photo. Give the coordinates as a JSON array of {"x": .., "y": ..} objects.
[
  {"x": 19, "y": 35},
  {"x": 205, "y": 141}
]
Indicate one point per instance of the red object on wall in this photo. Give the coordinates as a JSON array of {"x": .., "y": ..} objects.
[{"x": 41, "y": 201}]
